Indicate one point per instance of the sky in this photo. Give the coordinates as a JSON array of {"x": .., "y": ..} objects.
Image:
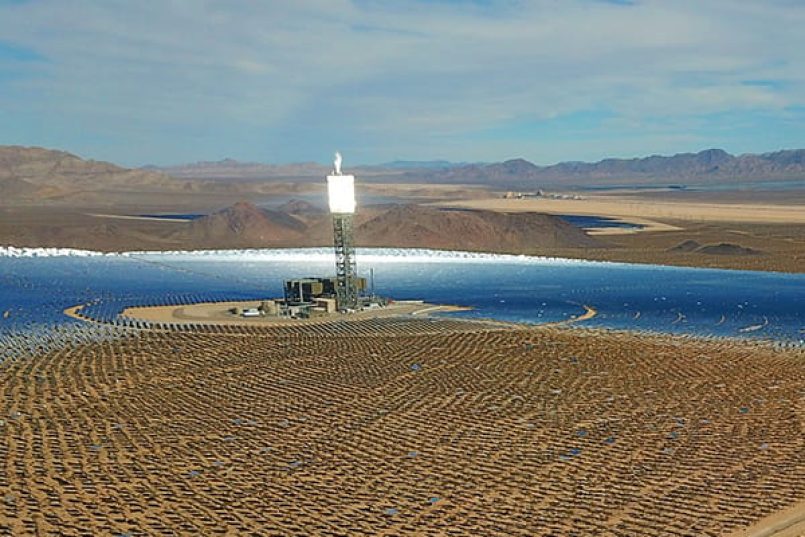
[{"x": 173, "y": 81}]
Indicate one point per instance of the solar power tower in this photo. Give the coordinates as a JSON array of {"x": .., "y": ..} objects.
[{"x": 341, "y": 196}]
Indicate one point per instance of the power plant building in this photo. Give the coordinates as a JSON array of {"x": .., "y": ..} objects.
[
  {"x": 346, "y": 291},
  {"x": 307, "y": 290}
]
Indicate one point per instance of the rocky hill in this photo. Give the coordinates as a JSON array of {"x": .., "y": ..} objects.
[
  {"x": 245, "y": 225},
  {"x": 723, "y": 248},
  {"x": 37, "y": 176},
  {"x": 300, "y": 208},
  {"x": 240, "y": 226},
  {"x": 417, "y": 226},
  {"x": 34, "y": 173}
]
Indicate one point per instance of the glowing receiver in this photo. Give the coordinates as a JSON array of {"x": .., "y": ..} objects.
[{"x": 341, "y": 193}]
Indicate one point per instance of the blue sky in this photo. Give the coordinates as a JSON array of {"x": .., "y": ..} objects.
[{"x": 170, "y": 81}]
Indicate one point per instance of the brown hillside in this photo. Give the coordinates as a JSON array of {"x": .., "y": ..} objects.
[
  {"x": 301, "y": 207},
  {"x": 12, "y": 187},
  {"x": 417, "y": 226},
  {"x": 685, "y": 246},
  {"x": 726, "y": 248},
  {"x": 241, "y": 226},
  {"x": 34, "y": 174},
  {"x": 244, "y": 225}
]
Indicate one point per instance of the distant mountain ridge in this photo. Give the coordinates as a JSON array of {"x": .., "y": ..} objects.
[
  {"x": 34, "y": 175},
  {"x": 232, "y": 169},
  {"x": 710, "y": 165},
  {"x": 422, "y": 164},
  {"x": 38, "y": 173}
]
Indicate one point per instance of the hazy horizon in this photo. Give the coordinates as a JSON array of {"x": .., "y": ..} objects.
[{"x": 452, "y": 163}]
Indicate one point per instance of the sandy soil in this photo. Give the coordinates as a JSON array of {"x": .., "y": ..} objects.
[
  {"x": 781, "y": 247},
  {"x": 418, "y": 191},
  {"x": 775, "y": 229},
  {"x": 398, "y": 427},
  {"x": 786, "y": 523},
  {"x": 628, "y": 207},
  {"x": 647, "y": 226}
]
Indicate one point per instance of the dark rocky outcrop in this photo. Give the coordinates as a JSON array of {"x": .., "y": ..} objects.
[
  {"x": 726, "y": 248},
  {"x": 685, "y": 246}
]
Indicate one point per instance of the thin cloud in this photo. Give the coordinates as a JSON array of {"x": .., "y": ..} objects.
[{"x": 291, "y": 77}]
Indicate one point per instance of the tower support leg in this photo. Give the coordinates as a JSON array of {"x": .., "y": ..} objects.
[{"x": 346, "y": 271}]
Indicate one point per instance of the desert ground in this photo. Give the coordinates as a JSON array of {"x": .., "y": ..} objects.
[
  {"x": 751, "y": 230},
  {"x": 787, "y": 523},
  {"x": 738, "y": 230},
  {"x": 627, "y": 207},
  {"x": 403, "y": 425}
]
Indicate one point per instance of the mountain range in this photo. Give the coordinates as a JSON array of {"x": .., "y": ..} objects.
[
  {"x": 708, "y": 166},
  {"x": 34, "y": 173},
  {"x": 31, "y": 175},
  {"x": 35, "y": 176}
]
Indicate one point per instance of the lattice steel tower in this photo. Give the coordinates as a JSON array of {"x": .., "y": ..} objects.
[{"x": 341, "y": 195}]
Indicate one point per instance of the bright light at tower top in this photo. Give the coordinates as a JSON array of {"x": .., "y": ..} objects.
[
  {"x": 341, "y": 193},
  {"x": 340, "y": 190}
]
